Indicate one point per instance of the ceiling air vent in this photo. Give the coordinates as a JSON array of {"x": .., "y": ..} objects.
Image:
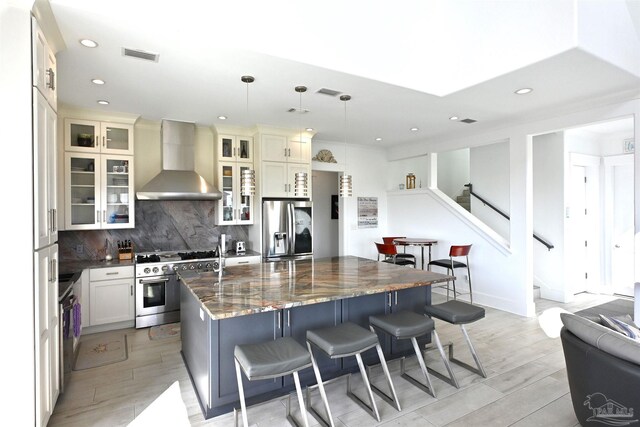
[
  {"x": 140, "y": 54},
  {"x": 297, "y": 110},
  {"x": 468, "y": 121},
  {"x": 329, "y": 92}
]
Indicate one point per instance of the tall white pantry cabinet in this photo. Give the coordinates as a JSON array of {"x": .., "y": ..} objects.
[{"x": 45, "y": 233}]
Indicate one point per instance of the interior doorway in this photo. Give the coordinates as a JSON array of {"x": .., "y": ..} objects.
[{"x": 325, "y": 214}]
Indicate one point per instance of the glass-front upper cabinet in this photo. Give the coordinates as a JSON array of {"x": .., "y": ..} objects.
[
  {"x": 235, "y": 148},
  {"x": 233, "y": 208},
  {"x": 98, "y": 191},
  {"x": 98, "y": 137}
]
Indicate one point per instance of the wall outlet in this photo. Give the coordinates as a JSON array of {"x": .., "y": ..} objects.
[{"x": 79, "y": 249}]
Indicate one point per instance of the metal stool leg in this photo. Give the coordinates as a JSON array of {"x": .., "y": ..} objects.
[
  {"x": 452, "y": 378},
  {"x": 373, "y": 409},
  {"x": 323, "y": 394},
  {"x": 428, "y": 387},
  {"x": 242, "y": 402},
  {"x": 480, "y": 369},
  {"x": 393, "y": 399},
  {"x": 469, "y": 276},
  {"x": 303, "y": 411}
]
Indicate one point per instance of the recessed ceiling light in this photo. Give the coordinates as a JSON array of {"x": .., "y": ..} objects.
[
  {"x": 378, "y": 139},
  {"x": 88, "y": 43},
  {"x": 454, "y": 118},
  {"x": 524, "y": 91},
  {"x": 103, "y": 102},
  {"x": 222, "y": 117},
  {"x": 97, "y": 81},
  {"x": 309, "y": 129},
  {"x": 414, "y": 129}
]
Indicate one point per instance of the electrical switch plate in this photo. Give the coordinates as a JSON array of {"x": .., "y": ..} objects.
[{"x": 79, "y": 249}]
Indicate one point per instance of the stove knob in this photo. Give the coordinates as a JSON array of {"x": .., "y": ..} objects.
[
  {"x": 192, "y": 267},
  {"x": 155, "y": 269},
  {"x": 208, "y": 265},
  {"x": 184, "y": 267},
  {"x": 199, "y": 265},
  {"x": 147, "y": 270},
  {"x": 165, "y": 268}
]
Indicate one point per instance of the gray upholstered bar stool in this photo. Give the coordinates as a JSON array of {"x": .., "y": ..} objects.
[
  {"x": 407, "y": 325},
  {"x": 267, "y": 360},
  {"x": 456, "y": 313},
  {"x": 347, "y": 339}
]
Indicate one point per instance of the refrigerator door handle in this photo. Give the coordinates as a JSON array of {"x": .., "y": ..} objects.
[{"x": 292, "y": 228}]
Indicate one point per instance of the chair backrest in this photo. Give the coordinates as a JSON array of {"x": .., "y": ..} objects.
[
  {"x": 389, "y": 240},
  {"x": 386, "y": 248},
  {"x": 459, "y": 250}
]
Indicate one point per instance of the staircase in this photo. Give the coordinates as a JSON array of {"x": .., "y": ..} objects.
[{"x": 464, "y": 200}]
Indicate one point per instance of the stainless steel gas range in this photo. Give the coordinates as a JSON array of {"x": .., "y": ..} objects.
[{"x": 157, "y": 286}]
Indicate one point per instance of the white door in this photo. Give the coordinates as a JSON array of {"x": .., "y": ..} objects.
[
  {"x": 578, "y": 222},
  {"x": 622, "y": 252}
]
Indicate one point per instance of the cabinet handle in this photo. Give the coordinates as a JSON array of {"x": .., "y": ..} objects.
[
  {"x": 389, "y": 297},
  {"x": 112, "y": 273},
  {"x": 50, "y": 221},
  {"x": 288, "y": 318},
  {"x": 285, "y": 152},
  {"x": 104, "y": 216},
  {"x": 98, "y": 217},
  {"x": 279, "y": 319},
  {"x": 131, "y": 290},
  {"x": 396, "y": 297},
  {"x": 234, "y": 151},
  {"x": 54, "y": 270},
  {"x": 51, "y": 84},
  {"x": 97, "y": 142},
  {"x": 285, "y": 188},
  {"x": 104, "y": 141},
  {"x": 243, "y": 262},
  {"x": 50, "y": 271},
  {"x": 54, "y": 222}
]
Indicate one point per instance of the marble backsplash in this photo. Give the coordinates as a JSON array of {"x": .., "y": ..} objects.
[{"x": 160, "y": 225}]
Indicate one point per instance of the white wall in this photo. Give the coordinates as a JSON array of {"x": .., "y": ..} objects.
[
  {"x": 325, "y": 229},
  {"x": 18, "y": 395},
  {"x": 548, "y": 214},
  {"x": 453, "y": 171},
  {"x": 397, "y": 172},
  {"x": 489, "y": 174}
]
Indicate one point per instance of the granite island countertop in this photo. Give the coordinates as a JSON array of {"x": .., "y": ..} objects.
[{"x": 255, "y": 288}]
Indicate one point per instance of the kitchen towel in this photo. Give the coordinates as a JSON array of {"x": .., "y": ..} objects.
[{"x": 77, "y": 315}]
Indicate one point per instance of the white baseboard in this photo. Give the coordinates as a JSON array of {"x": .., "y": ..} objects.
[{"x": 86, "y": 330}]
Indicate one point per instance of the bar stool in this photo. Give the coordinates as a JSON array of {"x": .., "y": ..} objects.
[
  {"x": 268, "y": 360},
  {"x": 408, "y": 325},
  {"x": 347, "y": 339},
  {"x": 455, "y": 251},
  {"x": 391, "y": 255},
  {"x": 456, "y": 313}
]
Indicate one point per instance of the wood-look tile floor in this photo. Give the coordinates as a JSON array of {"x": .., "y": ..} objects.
[{"x": 526, "y": 382}]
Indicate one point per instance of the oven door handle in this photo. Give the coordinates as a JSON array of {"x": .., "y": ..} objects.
[{"x": 147, "y": 282}]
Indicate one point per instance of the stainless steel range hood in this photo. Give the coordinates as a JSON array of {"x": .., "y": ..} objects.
[{"x": 178, "y": 179}]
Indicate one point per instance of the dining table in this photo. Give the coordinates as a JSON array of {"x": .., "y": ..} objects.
[{"x": 417, "y": 241}]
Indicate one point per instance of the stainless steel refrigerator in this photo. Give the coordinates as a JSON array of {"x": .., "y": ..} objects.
[{"x": 287, "y": 230}]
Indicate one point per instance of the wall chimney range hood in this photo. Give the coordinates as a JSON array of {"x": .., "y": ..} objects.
[{"x": 178, "y": 179}]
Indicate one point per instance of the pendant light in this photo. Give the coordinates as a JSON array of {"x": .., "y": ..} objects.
[
  {"x": 247, "y": 176},
  {"x": 301, "y": 182},
  {"x": 345, "y": 181}
]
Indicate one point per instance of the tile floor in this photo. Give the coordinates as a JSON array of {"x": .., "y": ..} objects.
[{"x": 526, "y": 382}]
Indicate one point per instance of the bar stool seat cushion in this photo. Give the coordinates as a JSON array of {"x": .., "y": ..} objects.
[
  {"x": 400, "y": 261},
  {"x": 343, "y": 339},
  {"x": 455, "y": 312},
  {"x": 446, "y": 263},
  {"x": 272, "y": 358},
  {"x": 404, "y": 324}
]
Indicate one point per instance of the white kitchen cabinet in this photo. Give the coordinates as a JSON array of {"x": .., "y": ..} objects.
[
  {"x": 281, "y": 158},
  {"x": 91, "y": 136},
  {"x": 278, "y": 179},
  {"x": 43, "y": 65},
  {"x": 233, "y": 207},
  {"x": 111, "y": 295},
  {"x": 235, "y": 148},
  {"x": 45, "y": 201},
  {"x": 98, "y": 191},
  {"x": 47, "y": 332}
]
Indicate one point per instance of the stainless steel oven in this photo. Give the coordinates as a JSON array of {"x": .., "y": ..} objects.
[{"x": 158, "y": 287}]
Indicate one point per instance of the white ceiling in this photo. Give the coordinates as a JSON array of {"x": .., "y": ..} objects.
[{"x": 414, "y": 64}]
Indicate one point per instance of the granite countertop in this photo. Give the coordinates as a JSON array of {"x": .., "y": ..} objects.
[
  {"x": 77, "y": 266},
  {"x": 233, "y": 254},
  {"x": 255, "y": 288}
]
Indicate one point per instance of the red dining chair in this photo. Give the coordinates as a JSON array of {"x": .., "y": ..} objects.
[
  {"x": 455, "y": 251},
  {"x": 389, "y": 241},
  {"x": 390, "y": 255}
]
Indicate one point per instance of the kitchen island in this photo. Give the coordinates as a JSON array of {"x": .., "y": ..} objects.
[{"x": 260, "y": 302}]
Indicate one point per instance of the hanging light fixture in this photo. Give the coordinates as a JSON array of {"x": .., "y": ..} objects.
[
  {"x": 247, "y": 176},
  {"x": 345, "y": 181},
  {"x": 301, "y": 182}
]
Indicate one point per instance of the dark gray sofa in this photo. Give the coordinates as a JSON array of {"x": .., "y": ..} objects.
[{"x": 603, "y": 369}]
